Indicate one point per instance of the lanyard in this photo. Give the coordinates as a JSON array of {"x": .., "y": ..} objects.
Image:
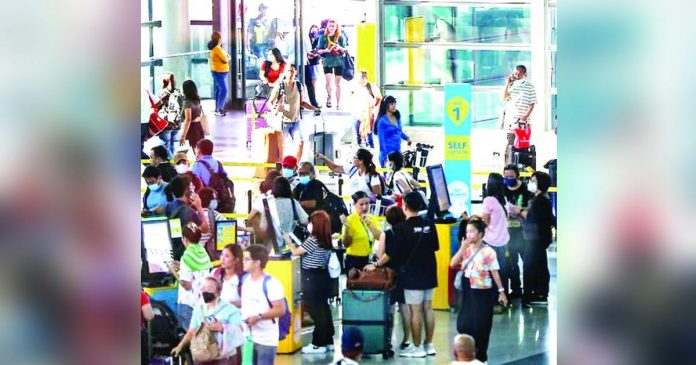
[{"x": 370, "y": 237}]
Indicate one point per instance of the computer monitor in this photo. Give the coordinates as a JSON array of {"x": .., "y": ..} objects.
[
  {"x": 226, "y": 234},
  {"x": 438, "y": 188},
  {"x": 157, "y": 245}
]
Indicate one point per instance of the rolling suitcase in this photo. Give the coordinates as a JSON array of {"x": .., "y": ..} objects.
[
  {"x": 369, "y": 311},
  {"x": 255, "y": 112},
  {"x": 524, "y": 157},
  {"x": 324, "y": 144}
]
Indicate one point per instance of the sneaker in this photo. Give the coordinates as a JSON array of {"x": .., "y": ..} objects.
[
  {"x": 413, "y": 351},
  {"x": 404, "y": 345},
  {"x": 330, "y": 348},
  {"x": 317, "y": 112},
  {"x": 311, "y": 349},
  {"x": 430, "y": 349}
]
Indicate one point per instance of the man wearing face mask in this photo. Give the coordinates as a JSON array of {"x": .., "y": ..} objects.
[
  {"x": 159, "y": 157},
  {"x": 516, "y": 194},
  {"x": 289, "y": 167},
  {"x": 155, "y": 198},
  {"x": 309, "y": 191},
  {"x": 181, "y": 165},
  {"x": 537, "y": 224}
]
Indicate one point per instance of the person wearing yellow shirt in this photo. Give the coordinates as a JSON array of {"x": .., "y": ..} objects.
[
  {"x": 360, "y": 232},
  {"x": 219, "y": 67}
]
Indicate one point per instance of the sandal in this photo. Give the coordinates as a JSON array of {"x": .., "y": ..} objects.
[{"x": 328, "y": 102}]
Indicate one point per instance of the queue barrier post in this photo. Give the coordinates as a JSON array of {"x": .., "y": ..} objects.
[{"x": 249, "y": 200}]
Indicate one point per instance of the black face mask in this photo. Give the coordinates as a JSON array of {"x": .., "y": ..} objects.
[{"x": 208, "y": 297}]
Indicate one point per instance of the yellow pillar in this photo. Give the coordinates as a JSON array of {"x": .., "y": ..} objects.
[
  {"x": 415, "y": 34},
  {"x": 441, "y": 294},
  {"x": 366, "y": 46}
]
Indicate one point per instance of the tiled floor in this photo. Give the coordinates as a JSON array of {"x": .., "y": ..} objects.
[{"x": 520, "y": 336}]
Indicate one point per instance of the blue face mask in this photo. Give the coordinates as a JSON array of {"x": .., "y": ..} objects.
[
  {"x": 288, "y": 173},
  {"x": 304, "y": 180},
  {"x": 510, "y": 182},
  {"x": 213, "y": 204},
  {"x": 154, "y": 187}
]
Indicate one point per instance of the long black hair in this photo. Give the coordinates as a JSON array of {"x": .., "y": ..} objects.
[
  {"x": 366, "y": 157},
  {"x": 190, "y": 91},
  {"x": 278, "y": 56},
  {"x": 495, "y": 188},
  {"x": 384, "y": 106}
]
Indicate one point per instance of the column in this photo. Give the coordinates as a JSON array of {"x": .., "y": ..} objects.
[{"x": 176, "y": 38}]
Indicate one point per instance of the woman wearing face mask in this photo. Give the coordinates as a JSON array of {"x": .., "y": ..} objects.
[
  {"x": 480, "y": 266},
  {"x": 230, "y": 274},
  {"x": 388, "y": 128},
  {"x": 332, "y": 47},
  {"x": 221, "y": 318},
  {"x": 209, "y": 203},
  {"x": 360, "y": 232},
  {"x": 398, "y": 180},
  {"x": 316, "y": 282},
  {"x": 538, "y": 220},
  {"x": 193, "y": 268},
  {"x": 363, "y": 174},
  {"x": 272, "y": 68}
]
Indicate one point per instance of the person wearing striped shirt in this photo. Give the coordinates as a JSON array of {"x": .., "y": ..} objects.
[
  {"x": 316, "y": 282},
  {"x": 520, "y": 98}
]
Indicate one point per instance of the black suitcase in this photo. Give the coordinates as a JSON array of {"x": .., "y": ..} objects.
[
  {"x": 523, "y": 157},
  {"x": 369, "y": 311},
  {"x": 324, "y": 144}
]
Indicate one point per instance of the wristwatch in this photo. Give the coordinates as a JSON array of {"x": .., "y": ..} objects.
[{"x": 500, "y": 290}]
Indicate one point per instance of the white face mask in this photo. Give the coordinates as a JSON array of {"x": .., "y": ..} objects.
[
  {"x": 213, "y": 204},
  {"x": 532, "y": 187},
  {"x": 310, "y": 226},
  {"x": 181, "y": 168}
]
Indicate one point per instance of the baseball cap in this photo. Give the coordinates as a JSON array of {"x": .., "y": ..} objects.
[
  {"x": 181, "y": 155},
  {"x": 290, "y": 162},
  {"x": 352, "y": 339}
]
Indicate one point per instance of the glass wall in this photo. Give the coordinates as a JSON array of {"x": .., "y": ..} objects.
[
  {"x": 427, "y": 45},
  {"x": 552, "y": 54}
]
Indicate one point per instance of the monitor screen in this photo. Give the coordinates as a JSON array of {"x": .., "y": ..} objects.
[
  {"x": 157, "y": 245},
  {"x": 438, "y": 186},
  {"x": 226, "y": 233}
]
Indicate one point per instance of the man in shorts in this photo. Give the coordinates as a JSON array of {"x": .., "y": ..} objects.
[
  {"x": 520, "y": 98},
  {"x": 418, "y": 274}
]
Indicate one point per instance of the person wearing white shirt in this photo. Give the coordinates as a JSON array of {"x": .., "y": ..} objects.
[
  {"x": 465, "y": 351},
  {"x": 363, "y": 175},
  {"x": 260, "y": 310}
]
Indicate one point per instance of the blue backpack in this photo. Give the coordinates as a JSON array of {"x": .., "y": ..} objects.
[{"x": 285, "y": 319}]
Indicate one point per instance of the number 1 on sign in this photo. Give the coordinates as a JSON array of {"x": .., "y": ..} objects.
[{"x": 456, "y": 111}]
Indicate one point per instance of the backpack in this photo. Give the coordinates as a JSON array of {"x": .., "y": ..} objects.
[
  {"x": 224, "y": 188},
  {"x": 285, "y": 319},
  {"x": 164, "y": 329},
  {"x": 334, "y": 206}
]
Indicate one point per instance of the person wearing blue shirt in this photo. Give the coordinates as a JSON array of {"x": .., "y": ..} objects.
[
  {"x": 204, "y": 151},
  {"x": 389, "y": 130},
  {"x": 157, "y": 195}
]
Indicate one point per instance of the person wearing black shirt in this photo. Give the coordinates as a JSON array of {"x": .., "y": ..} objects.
[
  {"x": 159, "y": 157},
  {"x": 387, "y": 242},
  {"x": 516, "y": 193},
  {"x": 418, "y": 243},
  {"x": 309, "y": 191},
  {"x": 538, "y": 221}
]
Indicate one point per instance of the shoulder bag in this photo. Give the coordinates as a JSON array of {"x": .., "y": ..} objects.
[
  {"x": 203, "y": 345},
  {"x": 460, "y": 274}
]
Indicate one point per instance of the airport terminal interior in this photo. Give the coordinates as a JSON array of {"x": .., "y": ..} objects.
[{"x": 445, "y": 65}]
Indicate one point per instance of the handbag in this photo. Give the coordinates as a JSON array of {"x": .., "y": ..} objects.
[
  {"x": 298, "y": 230},
  {"x": 270, "y": 230},
  {"x": 334, "y": 266},
  {"x": 248, "y": 351},
  {"x": 156, "y": 123},
  {"x": 348, "y": 67},
  {"x": 203, "y": 119},
  {"x": 382, "y": 278},
  {"x": 203, "y": 345},
  {"x": 460, "y": 273}
]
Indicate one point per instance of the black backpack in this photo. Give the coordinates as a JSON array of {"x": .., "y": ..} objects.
[
  {"x": 334, "y": 206},
  {"x": 224, "y": 188},
  {"x": 164, "y": 330}
]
